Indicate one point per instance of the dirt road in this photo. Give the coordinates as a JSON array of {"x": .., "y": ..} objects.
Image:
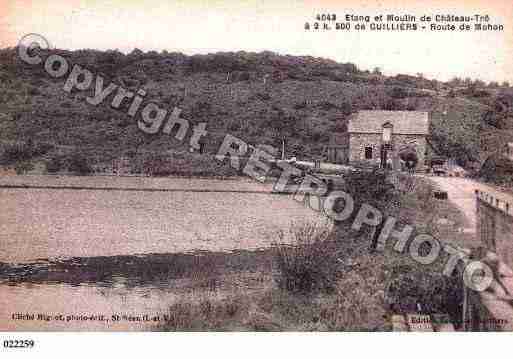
[{"x": 461, "y": 192}]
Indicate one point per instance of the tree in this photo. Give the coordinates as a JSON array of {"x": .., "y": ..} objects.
[
  {"x": 456, "y": 81},
  {"x": 377, "y": 71},
  {"x": 479, "y": 83}
]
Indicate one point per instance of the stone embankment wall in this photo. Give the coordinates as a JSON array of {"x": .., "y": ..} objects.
[{"x": 492, "y": 309}]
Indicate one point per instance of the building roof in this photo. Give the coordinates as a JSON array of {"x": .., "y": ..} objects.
[{"x": 404, "y": 122}]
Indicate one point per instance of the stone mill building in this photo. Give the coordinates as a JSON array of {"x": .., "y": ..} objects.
[{"x": 378, "y": 136}]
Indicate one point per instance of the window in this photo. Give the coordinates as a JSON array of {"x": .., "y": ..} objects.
[
  {"x": 368, "y": 153},
  {"x": 387, "y": 132}
]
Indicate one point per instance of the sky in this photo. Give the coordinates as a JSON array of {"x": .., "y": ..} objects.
[{"x": 206, "y": 26}]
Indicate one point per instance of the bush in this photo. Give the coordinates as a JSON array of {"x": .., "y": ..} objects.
[
  {"x": 23, "y": 151},
  {"x": 326, "y": 105},
  {"x": 34, "y": 91},
  {"x": 413, "y": 286},
  {"x": 374, "y": 188},
  {"x": 79, "y": 164},
  {"x": 17, "y": 152},
  {"x": 23, "y": 167},
  {"x": 41, "y": 148},
  {"x": 206, "y": 314},
  {"x": 55, "y": 164},
  {"x": 399, "y": 93},
  {"x": 300, "y": 105},
  {"x": 159, "y": 165},
  {"x": 498, "y": 169},
  {"x": 263, "y": 96},
  {"x": 235, "y": 126},
  {"x": 310, "y": 265}
]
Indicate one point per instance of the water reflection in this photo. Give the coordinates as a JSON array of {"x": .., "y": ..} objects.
[{"x": 126, "y": 286}]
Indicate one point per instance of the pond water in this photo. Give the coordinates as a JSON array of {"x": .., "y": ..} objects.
[{"x": 64, "y": 223}]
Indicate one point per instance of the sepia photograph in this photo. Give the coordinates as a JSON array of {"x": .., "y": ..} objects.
[{"x": 255, "y": 166}]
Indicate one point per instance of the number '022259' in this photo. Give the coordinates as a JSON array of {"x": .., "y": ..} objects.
[{"x": 19, "y": 344}]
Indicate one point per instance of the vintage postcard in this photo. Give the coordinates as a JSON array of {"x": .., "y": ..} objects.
[{"x": 284, "y": 166}]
